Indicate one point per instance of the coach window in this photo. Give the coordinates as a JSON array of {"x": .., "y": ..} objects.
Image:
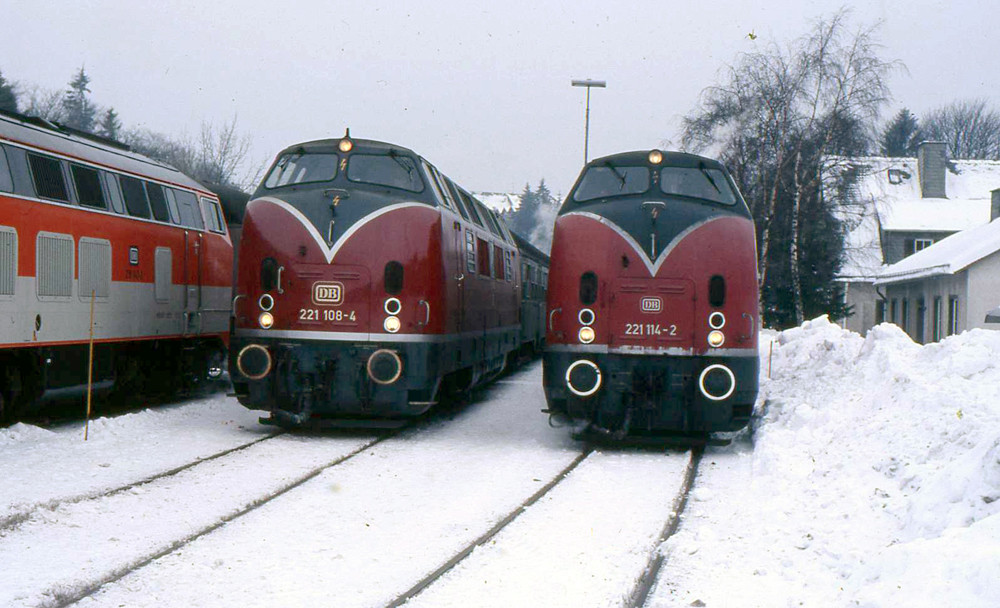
[
  {"x": 48, "y": 177},
  {"x": 175, "y": 215},
  {"x": 213, "y": 216},
  {"x": 6, "y": 180},
  {"x": 88, "y": 187},
  {"x": 187, "y": 207},
  {"x": 114, "y": 192},
  {"x": 135, "y": 197},
  {"x": 158, "y": 202}
]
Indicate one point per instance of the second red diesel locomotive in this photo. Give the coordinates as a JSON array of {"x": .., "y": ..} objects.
[
  {"x": 368, "y": 282},
  {"x": 652, "y": 298}
]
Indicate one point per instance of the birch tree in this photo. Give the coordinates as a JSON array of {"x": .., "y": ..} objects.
[{"x": 778, "y": 112}]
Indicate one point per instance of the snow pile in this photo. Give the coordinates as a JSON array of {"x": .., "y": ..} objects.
[{"x": 873, "y": 479}]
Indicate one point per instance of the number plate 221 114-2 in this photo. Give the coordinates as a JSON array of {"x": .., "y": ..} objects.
[{"x": 650, "y": 329}]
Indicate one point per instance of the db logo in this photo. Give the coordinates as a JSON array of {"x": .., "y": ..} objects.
[
  {"x": 330, "y": 293},
  {"x": 651, "y": 305}
]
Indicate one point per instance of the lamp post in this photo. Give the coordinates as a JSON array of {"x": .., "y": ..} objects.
[{"x": 586, "y": 125}]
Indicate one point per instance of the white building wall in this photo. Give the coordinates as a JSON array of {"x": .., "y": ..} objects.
[{"x": 984, "y": 290}]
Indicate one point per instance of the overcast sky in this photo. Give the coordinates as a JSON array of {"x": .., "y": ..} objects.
[{"x": 482, "y": 90}]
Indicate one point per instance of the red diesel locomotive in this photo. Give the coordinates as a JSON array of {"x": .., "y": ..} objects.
[
  {"x": 86, "y": 225},
  {"x": 367, "y": 283},
  {"x": 653, "y": 299}
]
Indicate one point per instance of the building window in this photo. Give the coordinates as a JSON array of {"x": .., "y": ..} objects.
[
  {"x": 936, "y": 320},
  {"x": 952, "y": 315},
  {"x": 906, "y": 315},
  {"x": 879, "y": 312},
  {"x": 894, "y": 311}
]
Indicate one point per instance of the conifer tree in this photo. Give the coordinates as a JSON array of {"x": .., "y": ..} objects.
[
  {"x": 110, "y": 126},
  {"x": 8, "y": 97},
  {"x": 80, "y": 112},
  {"x": 901, "y": 136}
]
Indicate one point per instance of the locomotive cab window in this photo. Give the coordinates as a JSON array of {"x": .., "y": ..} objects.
[
  {"x": 394, "y": 170},
  {"x": 48, "y": 176},
  {"x": 88, "y": 187},
  {"x": 697, "y": 182},
  {"x": 187, "y": 207},
  {"x": 213, "y": 216},
  {"x": 607, "y": 180},
  {"x": 300, "y": 168}
]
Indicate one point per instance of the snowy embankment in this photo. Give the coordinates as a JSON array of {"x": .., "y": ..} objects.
[{"x": 873, "y": 480}]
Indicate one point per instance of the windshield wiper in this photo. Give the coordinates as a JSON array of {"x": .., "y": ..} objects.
[
  {"x": 620, "y": 176},
  {"x": 399, "y": 161},
  {"x": 708, "y": 176}
]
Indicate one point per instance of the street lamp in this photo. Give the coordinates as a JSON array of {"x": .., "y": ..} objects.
[{"x": 586, "y": 128}]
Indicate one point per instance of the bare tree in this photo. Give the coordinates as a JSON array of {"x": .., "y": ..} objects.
[
  {"x": 970, "y": 127},
  {"x": 220, "y": 156},
  {"x": 36, "y": 101},
  {"x": 778, "y": 114}
]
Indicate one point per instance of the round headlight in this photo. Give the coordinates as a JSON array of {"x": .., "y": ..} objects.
[
  {"x": 716, "y": 320},
  {"x": 587, "y": 334},
  {"x": 266, "y": 320},
  {"x": 586, "y": 316},
  {"x": 345, "y": 145},
  {"x": 716, "y": 338},
  {"x": 393, "y": 306},
  {"x": 266, "y": 302},
  {"x": 656, "y": 157},
  {"x": 391, "y": 324}
]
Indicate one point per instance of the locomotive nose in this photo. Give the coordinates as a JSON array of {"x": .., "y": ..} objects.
[
  {"x": 384, "y": 366},
  {"x": 254, "y": 361}
]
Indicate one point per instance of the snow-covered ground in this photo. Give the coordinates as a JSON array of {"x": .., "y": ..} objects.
[{"x": 872, "y": 479}]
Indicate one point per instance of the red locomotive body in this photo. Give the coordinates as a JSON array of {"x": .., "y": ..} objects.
[
  {"x": 367, "y": 281},
  {"x": 85, "y": 223},
  {"x": 653, "y": 298}
]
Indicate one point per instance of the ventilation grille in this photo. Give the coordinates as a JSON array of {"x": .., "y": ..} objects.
[
  {"x": 164, "y": 274},
  {"x": 8, "y": 260},
  {"x": 55, "y": 265},
  {"x": 95, "y": 268}
]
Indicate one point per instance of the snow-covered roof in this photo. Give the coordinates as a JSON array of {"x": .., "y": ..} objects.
[
  {"x": 888, "y": 198},
  {"x": 947, "y": 256},
  {"x": 500, "y": 202}
]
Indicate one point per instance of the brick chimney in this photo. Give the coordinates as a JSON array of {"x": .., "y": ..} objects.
[
  {"x": 931, "y": 156},
  {"x": 995, "y": 204}
]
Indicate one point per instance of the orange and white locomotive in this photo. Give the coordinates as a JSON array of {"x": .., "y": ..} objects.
[{"x": 91, "y": 229}]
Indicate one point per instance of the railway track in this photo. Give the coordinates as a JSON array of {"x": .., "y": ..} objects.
[
  {"x": 489, "y": 534},
  {"x": 68, "y": 595},
  {"x": 632, "y": 597},
  {"x": 640, "y": 592},
  {"x": 10, "y": 522}
]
